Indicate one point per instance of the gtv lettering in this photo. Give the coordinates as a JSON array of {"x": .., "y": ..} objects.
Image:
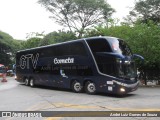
[{"x": 25, "y": 59}]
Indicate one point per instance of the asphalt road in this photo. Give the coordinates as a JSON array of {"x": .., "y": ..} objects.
[{"x": 18, "y": 97}]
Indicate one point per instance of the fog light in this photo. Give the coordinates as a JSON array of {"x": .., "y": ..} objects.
[{"x": 122, "y": 90}]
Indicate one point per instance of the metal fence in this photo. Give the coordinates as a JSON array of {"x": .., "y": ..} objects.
[{"x": 149, "y": 77}]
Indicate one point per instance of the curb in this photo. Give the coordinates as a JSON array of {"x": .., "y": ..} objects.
[{"x": 150, "y": 86}]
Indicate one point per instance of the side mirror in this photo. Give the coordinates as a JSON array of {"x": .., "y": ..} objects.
[{"x": 138, "y": 56}]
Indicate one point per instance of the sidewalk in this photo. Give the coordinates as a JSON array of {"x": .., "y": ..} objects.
[
  {"x": 11, "y": 83},
  {"x": 151, "y": 83},
  {"x": 149, "y": 86}
]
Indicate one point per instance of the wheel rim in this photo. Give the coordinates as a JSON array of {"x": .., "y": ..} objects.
[
  {"x": 91, "y": 87},
  {"x": 26, "y": 81},
  {"x": 77, "y": 87}
]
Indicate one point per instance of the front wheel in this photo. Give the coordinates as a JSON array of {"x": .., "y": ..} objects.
[
  {"x": 76, "y": 87},
  {"x": 90, "y": 88}
]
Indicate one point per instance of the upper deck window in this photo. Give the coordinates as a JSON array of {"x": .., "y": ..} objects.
[
  {"x": 119, "y": 46},
  {"x": 73, "y": 48},
  {"x": 99, "y": 45}
]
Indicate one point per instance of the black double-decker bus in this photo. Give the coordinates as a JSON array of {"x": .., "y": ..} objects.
[{"x": 96, "y": 64}]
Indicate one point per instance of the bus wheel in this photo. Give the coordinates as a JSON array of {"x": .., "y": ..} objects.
[
  {"x": 76, "y": 87},
  {"x": 90, "y": 88},
  {"x": 26, "y": 81},
  {"x": 32, "y": 82}
]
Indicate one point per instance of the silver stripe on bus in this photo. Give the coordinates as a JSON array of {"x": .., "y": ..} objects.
[{"x": 126, "y": 85}]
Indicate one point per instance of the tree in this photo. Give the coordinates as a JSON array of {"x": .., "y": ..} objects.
[
  {"x": 145, "y": 10},
  {"x": 31, "y": 43},
  {"x": 4, "y": 57},
  {"x": 56, "y": 37},
  {"x": 6, "y": 48},
  {"x": 78, "y": 14},
  {"x": 35, "y": 35}
]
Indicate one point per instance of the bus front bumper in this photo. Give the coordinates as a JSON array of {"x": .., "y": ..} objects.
[{"x": 123, "y": 88}]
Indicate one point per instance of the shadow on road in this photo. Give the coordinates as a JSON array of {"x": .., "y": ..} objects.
[{"x": 69, "y": 90}]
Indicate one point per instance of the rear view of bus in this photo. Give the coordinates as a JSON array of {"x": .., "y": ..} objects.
[{"x": 115, "y": 62}]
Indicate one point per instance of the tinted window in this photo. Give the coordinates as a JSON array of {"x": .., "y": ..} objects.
[
  {"x": 75, "y": 48},
  {"x": 106, "y": 65},
  {"x": 78, "y": 70},
  {"x": 99, "y": 45},
  {"x": 119, "y": 46},
  {"x": 124, "y": 48},
  {"x": 62, "y": 50}
]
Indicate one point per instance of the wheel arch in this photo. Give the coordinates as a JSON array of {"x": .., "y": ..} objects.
[
  {"x": 87, "y": 80},
  {"x": 24, "y": 78}
]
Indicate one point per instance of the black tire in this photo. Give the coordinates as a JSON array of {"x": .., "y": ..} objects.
[
  {"x": 90, "y": 88},
  {"x": 26, "y": 81},
  {"x": 32, "y": 82},
  {"x": 77, "y": 87}
]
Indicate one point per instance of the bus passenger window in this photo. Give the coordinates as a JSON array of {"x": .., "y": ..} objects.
[
  {"x": 99, "y": 45},
  {"x": 77, "y": 48}
]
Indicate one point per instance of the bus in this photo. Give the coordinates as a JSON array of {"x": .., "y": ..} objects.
[{"x": 96, "y": 64}]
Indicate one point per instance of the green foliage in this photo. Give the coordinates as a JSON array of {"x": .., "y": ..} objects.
[
  {"x": 6, "y": 47},
  {"x": 5, "y": 38},
  {"x": 35, "y": 35},
  {"x": 51, "y": 38},
  {"x": 56, "y": 37},
  {"x": 78, "y": 14},
  {"x": 31, "y": 43},
  {"x": 4, "y": 57}
]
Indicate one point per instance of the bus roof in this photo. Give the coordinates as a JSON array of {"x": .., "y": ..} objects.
[{"x": 82, "y": 39}]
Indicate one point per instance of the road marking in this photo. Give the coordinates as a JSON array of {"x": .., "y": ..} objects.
[
  {"x": 41, "y": 106},
  {"x": 53, "y": 118}
]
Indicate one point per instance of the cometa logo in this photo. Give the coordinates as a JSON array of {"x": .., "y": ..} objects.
[{"x": 63, "y": 61}]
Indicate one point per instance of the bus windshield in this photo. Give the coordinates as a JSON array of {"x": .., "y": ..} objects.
[{"x": 126, "y": 70}]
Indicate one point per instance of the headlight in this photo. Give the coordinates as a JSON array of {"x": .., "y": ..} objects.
[
  {"x": 127, "y": 62},
  {"x": 122, "y": 90},
  {"x": 118, "y": 60}
]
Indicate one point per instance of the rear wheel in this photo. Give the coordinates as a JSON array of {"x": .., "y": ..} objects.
[
  {"x": 32, "y": 84},
  {"x": 77, "y": 87},
  {"x": 90, "y": 88},
  {"x": 26, "y": 81}
]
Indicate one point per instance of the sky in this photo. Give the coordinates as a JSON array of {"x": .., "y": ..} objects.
[{"x": 19, "y": 17}]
